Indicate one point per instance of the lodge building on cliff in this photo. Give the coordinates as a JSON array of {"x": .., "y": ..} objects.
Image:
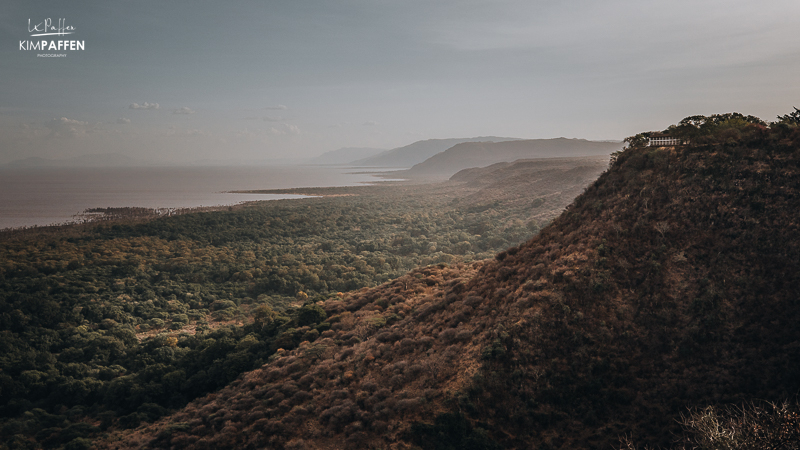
[{"x": 662, "y": 140}]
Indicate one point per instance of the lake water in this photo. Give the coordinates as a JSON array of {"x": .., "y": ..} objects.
[{"x": 44, "y": 196}]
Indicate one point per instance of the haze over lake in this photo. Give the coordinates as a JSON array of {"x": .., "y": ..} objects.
[{"x": 43, "y": 196}]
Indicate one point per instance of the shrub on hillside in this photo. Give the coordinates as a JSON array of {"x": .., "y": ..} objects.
[{"x": 748, "y": 427}]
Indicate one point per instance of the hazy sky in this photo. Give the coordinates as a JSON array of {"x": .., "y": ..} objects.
[{"x": 253, "y": 80}]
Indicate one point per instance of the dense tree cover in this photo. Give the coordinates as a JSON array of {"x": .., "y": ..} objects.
[
  {"x": 713, "y": 129},
  {"x": 670, "y": 283},
  {"x": 119, "y": 323},
  {"x": 788, "y": 120}
]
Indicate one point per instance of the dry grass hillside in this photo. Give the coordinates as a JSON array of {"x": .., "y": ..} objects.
[
  {"x": 529, "y": 184},
  {"x": 672, "y": 282}
]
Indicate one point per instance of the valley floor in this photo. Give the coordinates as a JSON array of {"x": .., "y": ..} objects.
[{"x": 115, "y": 323}]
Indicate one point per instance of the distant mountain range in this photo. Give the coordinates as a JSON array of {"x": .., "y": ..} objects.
[
  {"x": 345, "y": 155},
  {"x": 419, "y": 151},
  {"x": 478, "y": 154}
]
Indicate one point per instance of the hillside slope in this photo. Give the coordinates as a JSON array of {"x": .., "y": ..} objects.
[
  {"x": 532, "y": 186},
  {"x": 419, "y": 151},
  {"x": 479, "y": 154},
  {"x": 671, "y": 282}
]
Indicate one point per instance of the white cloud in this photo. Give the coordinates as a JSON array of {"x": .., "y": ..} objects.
[
  {"x": 182, "y": 110},
  {"x": 173, "y": 130},
  {"x": 144, "y": 105},
  {"x": 64, "y": 127},
  {"x": 284, "y": 129},
  {"x": 246, "y": 133},
  {"x": 277, "y": 107},
  {"x": 370, "y": 123},
  {"x": 266, "y": 119},
  {"x": 123, "y": 120}
]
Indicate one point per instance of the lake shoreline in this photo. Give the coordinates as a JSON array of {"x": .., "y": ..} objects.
[
  {"x": 89, "y": 218},
  {"x": 55, "y": 197}
]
